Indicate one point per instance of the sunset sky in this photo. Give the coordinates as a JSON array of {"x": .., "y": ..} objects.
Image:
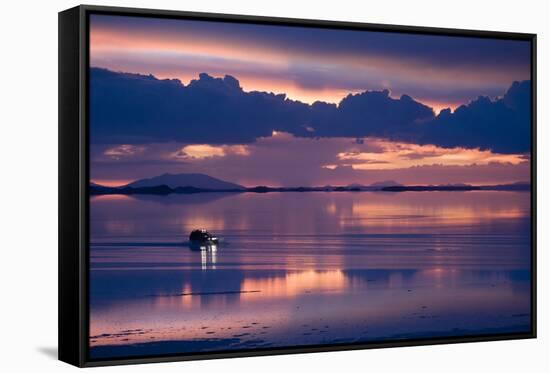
[{"x": 393, "y": 127}]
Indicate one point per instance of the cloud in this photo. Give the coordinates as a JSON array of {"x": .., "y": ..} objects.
[
  {"x": 139, "y": 109},
  {"x": 371, "y": 113},
  {"x": 140, "y": 32},
  {"x": 123, "y": 150},
  {"x": 502, "y": 125},
  {"x": 201, "y": 151},
  {"x": 395, "y": 155}
]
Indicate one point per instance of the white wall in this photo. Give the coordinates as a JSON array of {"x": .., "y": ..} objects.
[{"x": 28, "y": 186}]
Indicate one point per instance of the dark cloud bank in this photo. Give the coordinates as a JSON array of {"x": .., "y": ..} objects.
[{"x": 132, "y": 108}]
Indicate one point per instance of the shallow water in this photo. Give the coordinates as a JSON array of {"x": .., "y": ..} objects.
[{"x": 305, "y": 269}]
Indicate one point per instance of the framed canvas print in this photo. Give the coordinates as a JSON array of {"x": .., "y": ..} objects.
[{"x": 239, "y": 186}]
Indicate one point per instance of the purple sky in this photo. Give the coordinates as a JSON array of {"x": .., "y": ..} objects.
[{"x": 309, "y": 64}]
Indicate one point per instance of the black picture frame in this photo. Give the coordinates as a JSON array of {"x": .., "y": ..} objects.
[{"x": 74, "y": 176}]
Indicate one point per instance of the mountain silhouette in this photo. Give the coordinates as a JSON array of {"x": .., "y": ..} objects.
[
  {"x": 192, "y": 180},
  {"x": 385, "y": 183}
]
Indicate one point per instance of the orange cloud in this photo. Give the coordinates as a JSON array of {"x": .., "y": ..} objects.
[
  {"x": 202, "y": 151},
  {"x": 396, "y": 155}
]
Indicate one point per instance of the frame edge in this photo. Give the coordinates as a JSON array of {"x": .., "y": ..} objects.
[
  {"x": 69, "y": 189},
  {"x": 73, "y": 166}
]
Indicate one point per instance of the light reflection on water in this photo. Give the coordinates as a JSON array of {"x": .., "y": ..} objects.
[
  {"x": 208, "y": 257},
  {"x": 306, "y": 268}
]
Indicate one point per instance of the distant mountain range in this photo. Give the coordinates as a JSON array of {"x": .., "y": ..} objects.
[
  {"x": 519, "y": 186},
  {"x": 201, "y": 183},
  {"x": 379, "y": 185},
  {"x": 386, "y": 183}
]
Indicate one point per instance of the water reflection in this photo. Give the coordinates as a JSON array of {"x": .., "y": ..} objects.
[
  {"x": 306, "y": 268},
  {"x": 295, "y": 283},
  {"x": 208, "y": 256},
  {"x": 308, "y": 306},
  {"x": 299, "y": 213}
]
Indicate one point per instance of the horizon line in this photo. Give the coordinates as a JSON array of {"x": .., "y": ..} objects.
[{"x": 350, "y": 185}]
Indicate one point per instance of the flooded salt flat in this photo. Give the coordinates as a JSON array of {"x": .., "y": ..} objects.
[{"x": 305, "y": 269}]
